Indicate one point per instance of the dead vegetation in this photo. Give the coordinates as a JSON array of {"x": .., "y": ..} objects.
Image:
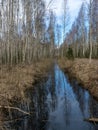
[
  {"x": 15, "y": 80},
  {"x": 87, "y": 74},
  {"x": 93, "y": 120}
]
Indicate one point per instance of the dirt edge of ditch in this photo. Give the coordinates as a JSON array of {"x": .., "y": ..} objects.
[{"x": 85, "y": 73}]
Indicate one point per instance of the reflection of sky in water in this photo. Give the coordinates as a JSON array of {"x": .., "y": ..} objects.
[
  {"x": 68, "y": 105},
  {"x": 62, "y": 105}
]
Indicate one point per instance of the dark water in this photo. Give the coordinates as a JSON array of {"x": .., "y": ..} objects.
[{"x": 58, "y": 104}]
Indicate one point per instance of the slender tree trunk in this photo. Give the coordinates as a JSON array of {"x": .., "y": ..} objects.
[{"x": 90, "y": 31}]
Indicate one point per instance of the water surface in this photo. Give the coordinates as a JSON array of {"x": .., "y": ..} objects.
[{"x": 59, "y": 104}]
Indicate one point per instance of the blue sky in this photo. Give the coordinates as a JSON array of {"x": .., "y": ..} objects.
[
  {"x": 73, "y": 9},
  {"x": 57, "y": 7}
]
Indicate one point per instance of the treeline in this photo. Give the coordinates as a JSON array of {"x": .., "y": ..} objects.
[
  {"x": 24, "y": 34},
  {"x": 82, "y": 39},
  {"x": 29, "y": 33}
]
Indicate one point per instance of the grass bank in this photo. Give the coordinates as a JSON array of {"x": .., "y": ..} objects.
[
  {"x": 85, "y": 73},
  {"x": 14, "y": 81}
]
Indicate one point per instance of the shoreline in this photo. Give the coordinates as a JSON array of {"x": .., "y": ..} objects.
[
  {"x": 15, "y": 81},
  {"x": 86, "y": 74}
]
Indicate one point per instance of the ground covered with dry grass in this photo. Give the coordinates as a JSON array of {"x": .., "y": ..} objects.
[
  {"x": 86, "y": 73},
  {"x": 15, "y": 80}
]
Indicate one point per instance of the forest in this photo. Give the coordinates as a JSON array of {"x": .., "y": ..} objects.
[
  {"x": 42, "y": 59},
  {"x": 29, "y": 33},
  {"x": 24, "y": 36}
]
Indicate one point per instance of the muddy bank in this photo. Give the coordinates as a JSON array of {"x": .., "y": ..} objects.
[
  {"x": 15, "y": 80},
  {"x": 85, "y": 73}
]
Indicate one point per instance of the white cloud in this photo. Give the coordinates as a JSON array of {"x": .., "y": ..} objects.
[
  {"x": 73, "y": 9},
  {"x": 74, "y": 6},
  {"x": 57, "y": 7}
]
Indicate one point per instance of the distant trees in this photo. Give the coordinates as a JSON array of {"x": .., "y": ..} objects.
[
  {"x": 91, "y": 6},
  {"x": 65, "y": 22},
  {"x": 70, "y": 53},
  {"x": 95, "y": 28},
  {"x": 83, "y": 36},
  {"x": 26, "y": 37},
  {"x": 23, "y": 31},
  {"x": 51, "y": 33},
  {"x": 76, "y": 37}
]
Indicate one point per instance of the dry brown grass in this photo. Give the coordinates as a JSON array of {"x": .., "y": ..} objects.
[
  {"x": 15, "y": 80},
  {"x": 86, "y": 73}
]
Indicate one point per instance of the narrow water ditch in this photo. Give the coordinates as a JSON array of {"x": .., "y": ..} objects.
[{"x": 57, "y": 104}]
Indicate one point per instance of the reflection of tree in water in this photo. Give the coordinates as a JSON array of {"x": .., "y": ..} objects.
[
  {"x": 80, "y": 95},
  {"x": 67, "y": 106},
  {"x": 37, "y": 107},
  {"x": 85, "y": 103},
  {"x": 52, "y": 90},
  {"x": 67, "y": 110},
  {"x": 93, "y": 107},
  {"x": 18, "y": 119},
  {"x": 62, "y": 90},
  {"x": 41, "y": 108}
]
